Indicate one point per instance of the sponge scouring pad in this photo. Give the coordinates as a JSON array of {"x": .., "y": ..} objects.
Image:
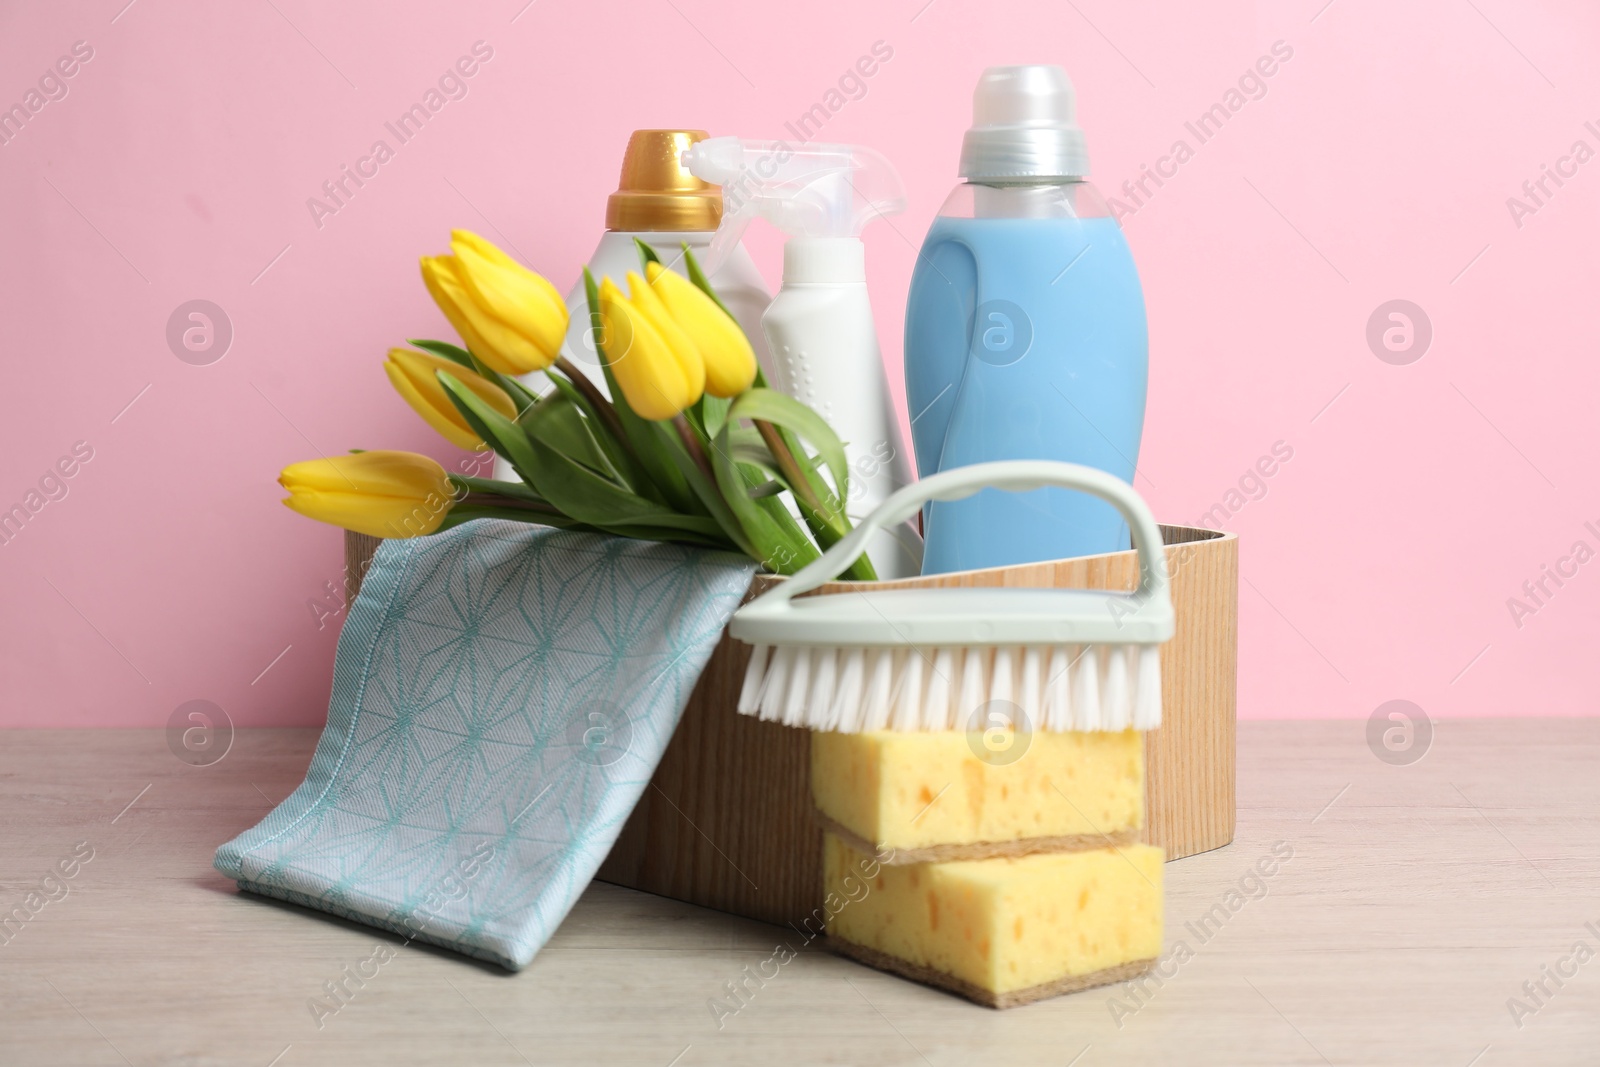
[
  {"x": 928, "y": 795},
  {"x": 1001, "y": 932}
]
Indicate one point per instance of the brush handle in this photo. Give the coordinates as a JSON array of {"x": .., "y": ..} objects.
[{"x": 1017, "y": 475}]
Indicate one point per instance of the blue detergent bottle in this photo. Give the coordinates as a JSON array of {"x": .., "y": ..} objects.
[{"x": 1025, "y": 332}]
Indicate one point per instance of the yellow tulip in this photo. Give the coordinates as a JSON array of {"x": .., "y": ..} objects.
[
  {"x": 730, "y": 362},
  {"x": 385, "y": 494},
  {"x": 511, "y": 318},
  {"x": 659, "y": 373},
  {"x": 679, "y": 343},
  {"x": 415, "y": 376}
]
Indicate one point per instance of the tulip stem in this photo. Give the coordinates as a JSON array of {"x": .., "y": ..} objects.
[
  {"x": 494, "y": 500},
  {"x": 581, "y": 382},
  {"x": 791, "y": 469},
  {"x": 691, "y": 441},
  {"x": 828, "y": 523}
]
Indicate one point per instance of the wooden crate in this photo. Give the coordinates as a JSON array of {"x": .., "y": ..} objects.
[{"x": 727, "y": 820}]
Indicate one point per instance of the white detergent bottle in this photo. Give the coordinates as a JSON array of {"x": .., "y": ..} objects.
[
  {"x": 821, "y": 339},
  {"x": 660, "y": 203}
]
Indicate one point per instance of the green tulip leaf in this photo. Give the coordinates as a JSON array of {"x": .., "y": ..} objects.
[
  {"x": 492, "y": 498},
  {"x": 713, "y": 412},
  {"x": 461, "y": 513},
  {"x": 519, "y": 491},
  {"x": 707, "y": 415},
  {"x": 574, "y": 489},
  {"x": 765, "y": 489},
  {"x": 477, "y": 507},
  {"x": 755, "y": 455},
  {"x": 774, "y": 537},
  {"x": 515, "y": 501},
  {"x": 633, "y": 474},
  {"x": 778, "y": 514},
  {"x": 706, "y": 491},
  {"x": 455, "y": 353},
  {"x": 523, "y": 397},
  {"x": 508, "y": 440},
  {"x": 828, "y": 527},
  {"x": 663, "y": 533},
  {"x": 746, "y": 446},
  {"x": 692, "y": 416},
  {"x": 769, "y": 405},
  {"x": 793, "y": 421},
  {"x": 647, "y": 255},
  {"x": 559, "y": 423},
  {"x": 520, "y": 394}
]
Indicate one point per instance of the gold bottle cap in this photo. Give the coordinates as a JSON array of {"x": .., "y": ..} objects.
[{"x": 656, "y": 193}]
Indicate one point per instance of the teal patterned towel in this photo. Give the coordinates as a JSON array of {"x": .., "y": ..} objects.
[{"x": 501, "y": 696}]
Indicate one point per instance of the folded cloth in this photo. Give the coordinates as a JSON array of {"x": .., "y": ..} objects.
[{"x": 501, "y": 695}]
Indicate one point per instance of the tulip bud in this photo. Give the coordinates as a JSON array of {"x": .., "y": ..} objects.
[
  {"x": 381, "y": 493},
  {"x": 511, "y": 318},
  {"x": 653, "y": 377},
  {"x": 415, "y": 376},
  {"x": 678, "y": 342},
  {"x": 730, "y": 362}
]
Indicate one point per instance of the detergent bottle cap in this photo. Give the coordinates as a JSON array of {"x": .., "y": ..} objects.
[
  {"x": 807, "y": 191},
  {"x": 655, "y": 193},
  {"x": 1024, "y": 127}
]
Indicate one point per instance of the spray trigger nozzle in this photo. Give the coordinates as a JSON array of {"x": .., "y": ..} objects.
[{"x": 814, "y": 190}]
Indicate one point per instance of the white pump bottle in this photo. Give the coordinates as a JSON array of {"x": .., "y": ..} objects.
[{"x": 822, "y": 343}]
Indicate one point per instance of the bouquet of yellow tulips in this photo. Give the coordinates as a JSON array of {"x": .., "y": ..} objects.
[{"x": 689, "y": 446}]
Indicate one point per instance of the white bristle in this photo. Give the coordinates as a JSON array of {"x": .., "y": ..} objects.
[
  {"x": 786, "y": 711},
  {"x": 908, "y": 698},
  {"x": 848, "y": 690},
  {"x": 791, "y": 711},
  {"x": 874, "y": 711},
  {"x": 847, "y": 713},
  {"x": 1030, "y": 694},
  {"x": 794, "y": 695},
  {"x": 1147, "y": 701},
  {"x": 1116, "y": 705},
  {"x": 974, "y": 687},
  {"x": 941, "y": 688},
  {"x": 1003, "y": 678},
  {"x": 759, "y": 698},
  {"x": 824, "y": 673},
  {"x": 1086, "y": 688},
  {"x": 777, "y": 682},
  {"x": 754, "y": 675},
  {"x": 1130, "y": 668},
  {"x": 899, "y": 667},
  {"x": 1058, "y": 690}
]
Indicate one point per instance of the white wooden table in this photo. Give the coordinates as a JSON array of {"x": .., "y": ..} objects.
[{"x": 1417, "y": 902}]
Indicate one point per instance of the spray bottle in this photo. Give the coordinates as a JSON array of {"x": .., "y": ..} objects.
[{"x": 821, "y": 340}]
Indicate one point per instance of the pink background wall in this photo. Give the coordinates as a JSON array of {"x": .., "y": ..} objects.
[{"x": 1377, "y": 166}]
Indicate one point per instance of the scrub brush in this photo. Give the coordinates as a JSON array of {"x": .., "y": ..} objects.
[{"x": 927, "y": 658}]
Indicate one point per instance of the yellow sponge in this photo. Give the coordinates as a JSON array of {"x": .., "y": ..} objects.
[
  {"x": 928, "y": 795},
  {"x": 1001, "y": 932}
]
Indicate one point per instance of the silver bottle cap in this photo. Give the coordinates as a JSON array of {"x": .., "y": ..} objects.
[{"x": 1024, "y": 127}]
